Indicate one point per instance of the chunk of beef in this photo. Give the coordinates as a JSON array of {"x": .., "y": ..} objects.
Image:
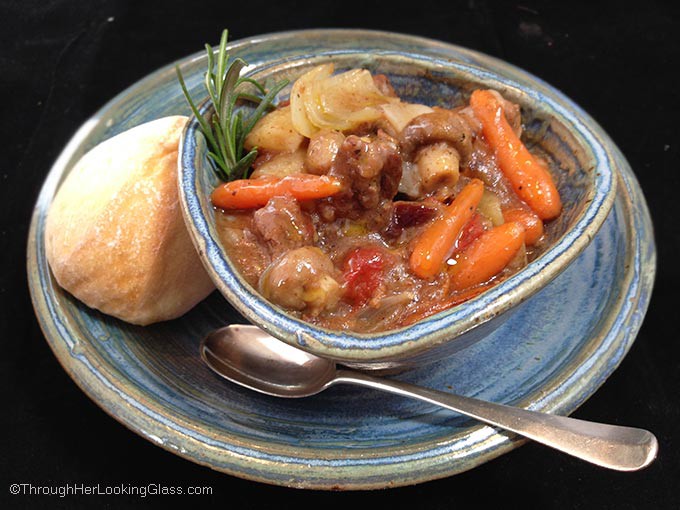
[
  {"x": 322, "y": 151},
  {"x": 370, "y": 169},
  {"x": 283, "y": 225}
]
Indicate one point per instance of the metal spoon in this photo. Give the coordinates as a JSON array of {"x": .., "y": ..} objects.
[{"x": 248, "y": 356}]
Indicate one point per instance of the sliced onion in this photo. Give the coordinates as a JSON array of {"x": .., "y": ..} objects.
[
  {"x": 399, "y": 114},
  {"x": 320, "y": 100},
  {"x": 301, "y": 96}
]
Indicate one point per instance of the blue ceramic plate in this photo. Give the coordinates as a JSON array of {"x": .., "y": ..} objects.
[{"x": 152, "y": 380}]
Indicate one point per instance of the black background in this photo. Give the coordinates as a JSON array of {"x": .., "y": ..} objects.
[{"x": 62, "y": 60}]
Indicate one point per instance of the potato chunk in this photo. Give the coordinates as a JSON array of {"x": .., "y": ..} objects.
[
  {"x": 281, "y": 165},
  {"x": 275, "y": 132}
]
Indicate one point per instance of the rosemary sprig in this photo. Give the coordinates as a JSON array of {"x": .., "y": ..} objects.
[{"x": 226, "y": 127}]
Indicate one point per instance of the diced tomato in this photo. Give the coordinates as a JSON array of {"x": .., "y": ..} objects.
[
  {"x": 363, "y": 273},
  {"x": 471, "y": 231}
]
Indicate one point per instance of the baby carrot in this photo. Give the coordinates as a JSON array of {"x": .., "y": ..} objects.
[
  {"x": 252, "y": 193},
  {"x": 437, "y": 240},
  {"x": 533, "y": 226},
  {"x": 529, "y": 178},
  {"x": 487, "y": 256}
]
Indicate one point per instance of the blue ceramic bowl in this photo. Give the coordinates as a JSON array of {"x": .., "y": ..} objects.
[{"x": 436, "y": 74}]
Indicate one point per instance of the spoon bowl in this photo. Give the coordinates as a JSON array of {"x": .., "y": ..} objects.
[
  {"x": 248, "y": 356},
  {"x": 252, "y": 358}
]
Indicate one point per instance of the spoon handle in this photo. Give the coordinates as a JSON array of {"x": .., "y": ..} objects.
[{"x": 610, "y": 446}]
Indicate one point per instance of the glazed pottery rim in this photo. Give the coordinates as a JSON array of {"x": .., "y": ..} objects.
[{"x": 446, "y": 326}]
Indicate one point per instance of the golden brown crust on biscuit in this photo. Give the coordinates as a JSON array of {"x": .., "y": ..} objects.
[{"x": 115, "y": 237}]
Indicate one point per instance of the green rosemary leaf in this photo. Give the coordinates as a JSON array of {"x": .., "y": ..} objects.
[
  {"x": 210, "y": 79},
  {"x": 222, "y": 58},
  {"x": 227, "y": 96},
  {"x": 226, "y": 150},
  {"x": 221, "y": 167},
  {"x": 236, "y": 126},
  {"x": 226, "y": 127},
  {"x": 245, "y": 163},
  {"x": 205, "y": 127},
  {"x": 252, "y": 98},
  {"x": 255, "y": 83},
  {"x": 261, "y": 110}
]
